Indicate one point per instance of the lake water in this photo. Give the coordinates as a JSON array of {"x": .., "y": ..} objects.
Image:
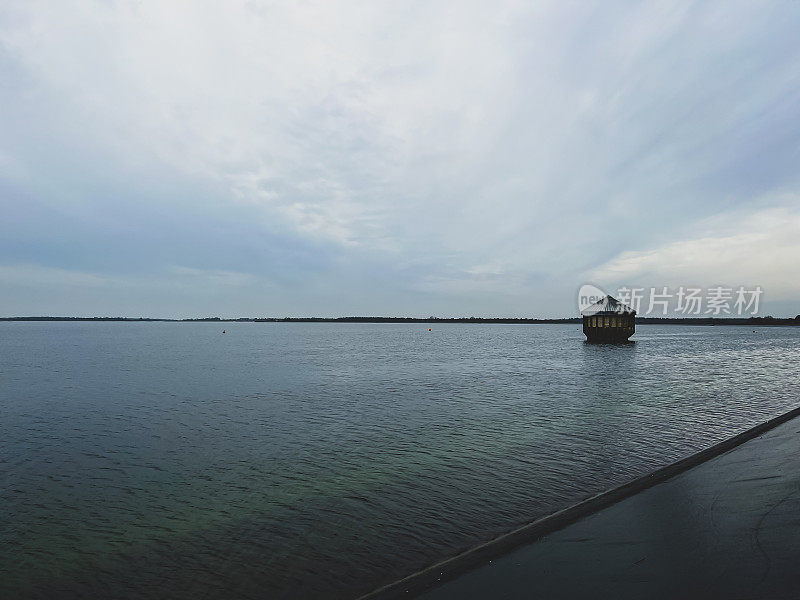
[{"x": 277, "y": 460}]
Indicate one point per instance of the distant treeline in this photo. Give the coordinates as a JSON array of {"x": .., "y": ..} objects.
[
  {"x": 719, "y": 321},
  {"x": 523, "y": 321}
]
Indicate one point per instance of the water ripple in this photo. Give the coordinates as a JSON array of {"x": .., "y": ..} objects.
[{"x": 155, "y": 460}]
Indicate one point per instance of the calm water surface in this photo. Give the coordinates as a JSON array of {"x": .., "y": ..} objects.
[{"x": 152, "y": 460}]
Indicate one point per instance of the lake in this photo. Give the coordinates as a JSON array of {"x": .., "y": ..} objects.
[{"x": 321, "y": 460}]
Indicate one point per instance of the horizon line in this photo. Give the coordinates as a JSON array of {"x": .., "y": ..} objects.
[{"x": 432, "y": 319}]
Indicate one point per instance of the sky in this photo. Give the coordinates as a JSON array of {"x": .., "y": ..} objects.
[{"x": 246, "y": 158}]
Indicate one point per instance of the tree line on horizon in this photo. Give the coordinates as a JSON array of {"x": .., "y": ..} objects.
[{"x": 767, "y": 320}]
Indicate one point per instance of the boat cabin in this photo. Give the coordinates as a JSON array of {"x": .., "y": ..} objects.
[{"x": 608, "y": 321}]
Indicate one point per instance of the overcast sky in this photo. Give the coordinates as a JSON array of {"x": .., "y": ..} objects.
[{"x": 393, "y": 158}]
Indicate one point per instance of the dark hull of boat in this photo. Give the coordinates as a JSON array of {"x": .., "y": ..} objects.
[{"x": 608, "y": 335}]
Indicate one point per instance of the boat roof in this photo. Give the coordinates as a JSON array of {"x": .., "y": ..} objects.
[{"x": 608, "y": 306}]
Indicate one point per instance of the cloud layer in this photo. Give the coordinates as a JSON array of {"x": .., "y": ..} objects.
[{"x": 256, "y": 158}]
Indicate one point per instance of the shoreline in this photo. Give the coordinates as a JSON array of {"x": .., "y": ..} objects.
[
  {"x": 699, "y": 321},
  {"x": 463, "y": 563}
]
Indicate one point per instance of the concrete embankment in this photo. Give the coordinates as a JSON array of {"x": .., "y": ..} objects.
[{"x": 724, "y": 522}]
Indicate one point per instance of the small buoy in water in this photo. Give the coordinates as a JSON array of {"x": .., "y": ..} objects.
[
  {"x": 223, "y": 331},
  {"x": 429, "y": 329}
]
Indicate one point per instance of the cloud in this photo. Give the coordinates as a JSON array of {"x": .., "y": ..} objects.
[
  {"x": 350, "y": 152},
  {"x": 743, "y": 247},
  {"x": 44, "y": 291},
  {"x": 35, "y": 275}
]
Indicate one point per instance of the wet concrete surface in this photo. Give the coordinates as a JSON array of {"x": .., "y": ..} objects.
[{"x": 728, "y": 528}]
